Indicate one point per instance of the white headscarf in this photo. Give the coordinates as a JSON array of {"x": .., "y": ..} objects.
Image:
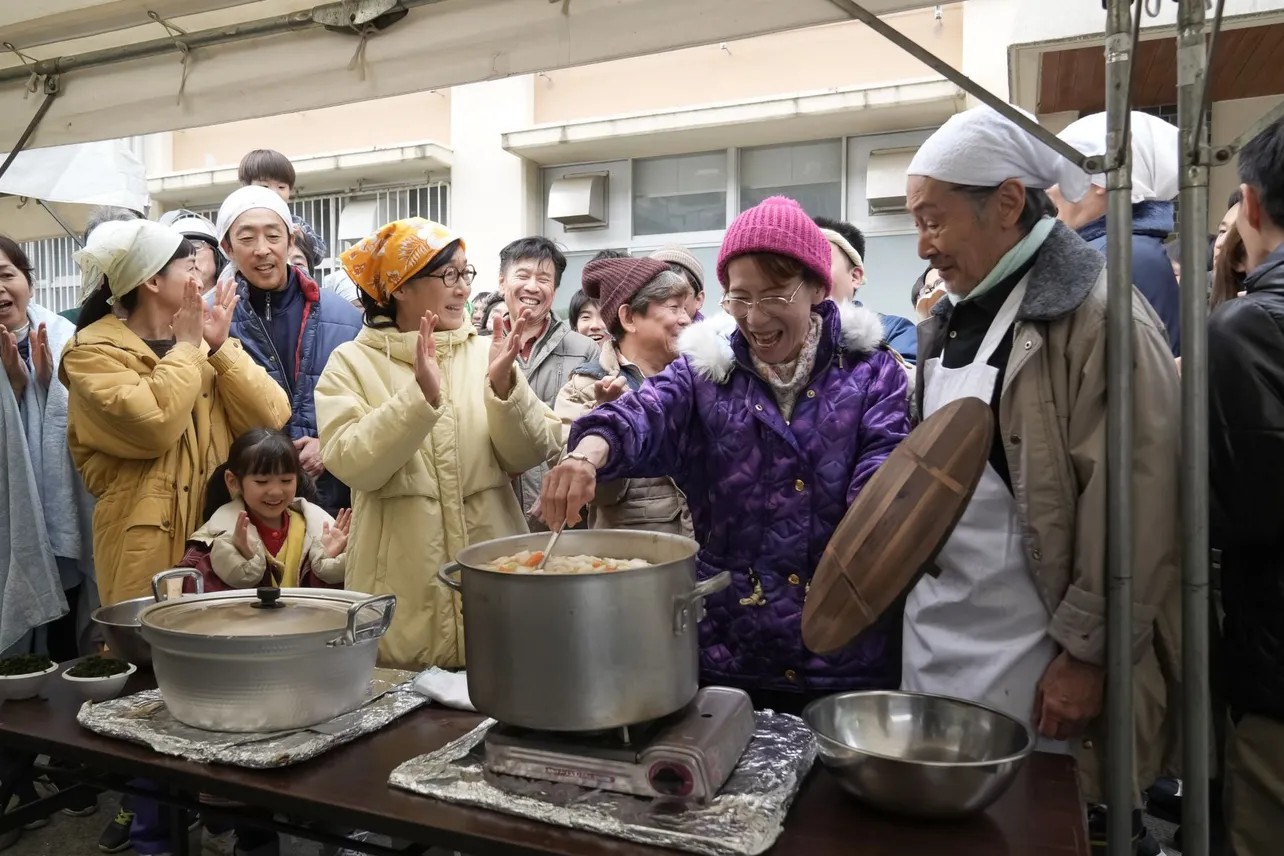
[
  {"x": 1156, "y": 153},
  {"x": 127, "y": 253},
  {"x": 247, "y": 199},
  {"x": 980, "y": 148}
]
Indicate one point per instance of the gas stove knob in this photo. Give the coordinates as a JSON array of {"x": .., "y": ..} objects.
[{"x": 670, "y": 779}]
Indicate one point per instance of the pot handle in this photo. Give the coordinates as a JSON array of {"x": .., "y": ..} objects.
[
  {"x": 353, "y": 634},
  {"x": 447, "y": 580},
  {"x": 158, "y": 581},
  {"x": 689, "y": 608}
]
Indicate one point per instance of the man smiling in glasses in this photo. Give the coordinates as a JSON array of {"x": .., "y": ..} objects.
[{"x": 530, "y": 270}]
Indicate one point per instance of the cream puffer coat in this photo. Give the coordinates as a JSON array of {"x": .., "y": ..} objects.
[
  {"x": 426, "y": 482},
  {"x": 655, "y": 505}
]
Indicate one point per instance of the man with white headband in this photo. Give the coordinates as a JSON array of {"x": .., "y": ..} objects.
[
  {"x": 847, "y": 269},
  {"x": 1015, "y": 615},
  {"x": 286, "y": 322},
  {"x": 1156, "y": 175}
]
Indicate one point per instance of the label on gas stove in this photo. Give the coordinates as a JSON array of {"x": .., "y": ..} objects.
[{"x": 570, "y": 774}]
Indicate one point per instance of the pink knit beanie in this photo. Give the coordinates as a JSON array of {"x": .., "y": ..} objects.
[{"x": 778, "y": 225}]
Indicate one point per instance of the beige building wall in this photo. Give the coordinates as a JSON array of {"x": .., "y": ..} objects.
[
  {"x": 385, "y": 122},
  {"x": 1229, "y": 120},
  {"x": 840, "y": 55}
]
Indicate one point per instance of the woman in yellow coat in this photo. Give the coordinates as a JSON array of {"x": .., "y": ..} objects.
[
  {"x": 157, "y": 392},
  {"x": 425, "y": 420}
]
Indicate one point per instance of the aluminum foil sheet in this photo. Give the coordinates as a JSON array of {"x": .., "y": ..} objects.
[
  {"x": 143, "y": 718},
  {"x": 744, "y": 819}
]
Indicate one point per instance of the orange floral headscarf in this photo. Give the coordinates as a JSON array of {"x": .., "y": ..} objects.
[{"x": 383, "y": 262}]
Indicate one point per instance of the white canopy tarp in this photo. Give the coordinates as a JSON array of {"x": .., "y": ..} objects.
[
  {"x": 443, "y": 43},
  {"x": 72, "y": 181}
]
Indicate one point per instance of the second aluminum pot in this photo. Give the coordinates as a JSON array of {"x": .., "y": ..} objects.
[
  {"x": 257, "y": 660},
  {"x": 583, "y": 652}
]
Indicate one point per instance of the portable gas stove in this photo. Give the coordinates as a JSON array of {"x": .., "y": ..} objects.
[{"x": 688, "y": 755}]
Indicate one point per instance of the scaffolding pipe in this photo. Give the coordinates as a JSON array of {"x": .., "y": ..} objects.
[
  {"x": 1192, "y": 86},
  {"x": 1120, "y": 787},
  {"x": 319, "y": 16}
]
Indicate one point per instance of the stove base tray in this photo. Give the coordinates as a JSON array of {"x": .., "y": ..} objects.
[{"x": 744, "y": 819}]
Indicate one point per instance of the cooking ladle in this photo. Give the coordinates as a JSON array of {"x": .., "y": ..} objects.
[{"x": 548, "y": 548}]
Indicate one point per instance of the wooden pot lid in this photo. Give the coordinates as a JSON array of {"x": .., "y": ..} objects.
[{"x": 897, "y": 524}]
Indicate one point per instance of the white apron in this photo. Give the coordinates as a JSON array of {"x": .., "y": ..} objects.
[{"x": 979, "y": 630}]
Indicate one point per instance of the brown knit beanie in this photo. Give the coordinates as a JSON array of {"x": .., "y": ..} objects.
[
  {"x": 682, "y": 256},
  {"x": 613, "y": 282}
]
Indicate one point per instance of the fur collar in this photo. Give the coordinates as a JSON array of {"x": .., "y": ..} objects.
[{"x": 707, "y": 344}]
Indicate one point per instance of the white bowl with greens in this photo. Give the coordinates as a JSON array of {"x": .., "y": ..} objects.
[
  {"x": 24, "y": 676},
  {"x": 99, "y": 678}
]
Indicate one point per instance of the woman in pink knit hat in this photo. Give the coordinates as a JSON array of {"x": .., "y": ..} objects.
[{"x": 771, "y": 435}]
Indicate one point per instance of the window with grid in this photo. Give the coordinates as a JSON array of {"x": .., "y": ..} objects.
[
  {"x": 685, "y": 193},
  {"x": 58, "y": 276}
]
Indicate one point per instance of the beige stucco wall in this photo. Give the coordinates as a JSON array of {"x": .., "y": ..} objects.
[
  {"x": 1230, "y": 119},
  {"x": 385, "y": 122},
  {"x": 840, "y": 55}
]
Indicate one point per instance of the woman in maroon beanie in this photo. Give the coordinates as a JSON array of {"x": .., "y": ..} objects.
[
  {"x": 771, "y": 435},
  {"x": 644, "y": 305}
]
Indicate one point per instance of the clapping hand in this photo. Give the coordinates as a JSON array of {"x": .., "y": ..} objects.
[
  {"x": 14, "y": 366},
  {"x": 41, "y": 357},
  {"x": 218, "y": 316},
  {"x": 427, "y": 372},
  {"x": 241, "y": 536},
  {"x": 335, "y": 537},
  {"x": 189, "y": 320},
  {"x": 610, "y": 388},
  {"x": 504, "y": 348}
]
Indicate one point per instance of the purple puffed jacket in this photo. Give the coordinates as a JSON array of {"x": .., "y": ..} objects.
[{"x": 766, "y": 494}]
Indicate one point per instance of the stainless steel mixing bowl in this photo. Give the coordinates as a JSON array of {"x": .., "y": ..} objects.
[
  {"x": 122, "y": 631},
  {"x": 918, "y": 755}
]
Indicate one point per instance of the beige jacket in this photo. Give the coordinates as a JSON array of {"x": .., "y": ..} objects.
[
  {"x": 239, "y": 572},
  {"x": 1052, "y": 420},
  {"x": 426, "y": 481},
  {"x": 651, "y": 504}
]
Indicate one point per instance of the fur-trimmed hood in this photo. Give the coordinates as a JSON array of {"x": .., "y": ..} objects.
[{"x": 709, "y": 345}]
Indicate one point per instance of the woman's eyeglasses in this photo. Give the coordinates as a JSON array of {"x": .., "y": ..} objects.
[
  {"x": 773, "y": 306},
  {"x": 451, "y": 276}
]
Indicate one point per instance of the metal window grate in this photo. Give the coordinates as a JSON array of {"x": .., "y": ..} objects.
[{"x": 58, "y": 277}]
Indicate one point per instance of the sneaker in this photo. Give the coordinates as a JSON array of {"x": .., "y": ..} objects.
[
  {"x": 19, "y": 800},
  {"x": 10, "y": 838},
  {"x": 1163, "y": 800},
  {"x": 115, "y": 837},
  {"x": 222, "y": 844},
  {"x": 1144, "y": 844}
]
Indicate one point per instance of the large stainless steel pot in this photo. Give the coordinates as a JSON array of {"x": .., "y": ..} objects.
[
  {"x": 266, "y": 659},
  {"x": 583, "y": 652}
]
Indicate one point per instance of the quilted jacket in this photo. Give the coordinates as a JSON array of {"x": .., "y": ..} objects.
[
  {"x": 326, "y": 321},
  {"x": 766, "y": 494}
]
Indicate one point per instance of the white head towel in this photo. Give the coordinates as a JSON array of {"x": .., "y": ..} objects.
[
  {"x": 127, "y": 253},
  {"x": 247, "y": 199},
  {"x": 1156, "y": 153},
  {"x": 980, "y": 148}
]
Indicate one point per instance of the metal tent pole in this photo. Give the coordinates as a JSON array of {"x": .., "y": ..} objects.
[
  {"x": 1192, "y": 86},
  {"x": 1120, "y": 788}
]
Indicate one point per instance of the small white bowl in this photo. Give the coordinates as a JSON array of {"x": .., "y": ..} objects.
[
  {"x": 103, "y": 688},
  {"x": 18, "y": 687}
]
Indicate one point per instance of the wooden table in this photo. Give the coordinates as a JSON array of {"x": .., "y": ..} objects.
[{"x": 1041, "y": 815}]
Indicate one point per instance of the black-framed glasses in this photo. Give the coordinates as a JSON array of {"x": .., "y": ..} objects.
[
  {"x": 774, "y": 306},
  {"x": 451, "y": 276}
]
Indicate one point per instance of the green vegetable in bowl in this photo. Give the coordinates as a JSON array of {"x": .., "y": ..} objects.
[
  {"x": 98, "y": 667},
  {"x": 24, "y": 664}
]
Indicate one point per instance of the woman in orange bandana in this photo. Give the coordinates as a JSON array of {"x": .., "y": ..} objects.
[{"x": 424, "y": 420}]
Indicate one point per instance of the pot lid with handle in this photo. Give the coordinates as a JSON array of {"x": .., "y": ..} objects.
[
  {"x": 897, "y": 524},
  {"x": 250, "y": 612}
]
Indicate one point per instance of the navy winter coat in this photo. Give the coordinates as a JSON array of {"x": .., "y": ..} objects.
[
  {"x": 317, "y": 324},
  {"x": 1152, "y": 272}
]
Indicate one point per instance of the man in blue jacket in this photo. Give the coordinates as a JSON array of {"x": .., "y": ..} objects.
[
  {"x": 285, "y": 322},
  {"x": 1155, "y": 182},
  {"x": 847, "y": 258}
]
